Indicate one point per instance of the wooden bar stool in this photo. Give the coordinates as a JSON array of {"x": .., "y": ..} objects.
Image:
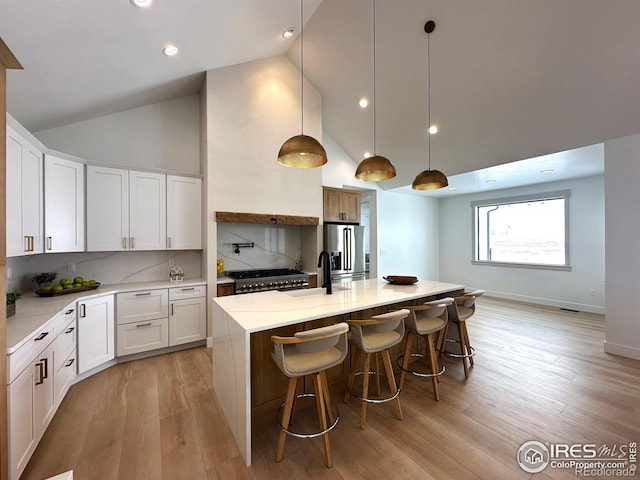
[
  {"x": 459, "y": 312},
  {"x": 424, "y": 321},
  {"x": 372, "y": 337},
  {"x": 311, "y": 352}
]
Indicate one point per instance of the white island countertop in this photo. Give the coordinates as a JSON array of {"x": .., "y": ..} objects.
[
  {"x": 32, "y": 311},
  {"x": 272, "y": 309},
  {"x": 236, "y": 317}
]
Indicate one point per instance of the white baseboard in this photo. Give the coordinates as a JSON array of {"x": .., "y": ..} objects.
[
  {"x": 622, "y": 350},
  {"x": 549, "y": 302}
]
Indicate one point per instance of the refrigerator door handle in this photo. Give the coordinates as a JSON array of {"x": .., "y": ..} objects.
[{"x": 348, "y": 247}]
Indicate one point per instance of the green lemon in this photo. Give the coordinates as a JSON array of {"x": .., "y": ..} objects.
[
  {"x": 46, "y": 288},
  {"x": 77, "y": 285},
  {"x": 57, "y": 288},
  {"x": 65, "y": 281},
  {"x": 86, "y": 283},
  {"x": 92, "y": 282},
  {"x": 68, "y": 287},
  {"x": 78, "y": 280}
]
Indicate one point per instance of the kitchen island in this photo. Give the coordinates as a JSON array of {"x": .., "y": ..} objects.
[{"x": 236, "y": 319}]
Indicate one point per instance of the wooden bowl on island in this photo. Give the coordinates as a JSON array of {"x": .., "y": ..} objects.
[{"x": 401, "y": 279}]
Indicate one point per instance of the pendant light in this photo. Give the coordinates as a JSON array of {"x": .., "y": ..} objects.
[
  {"x": 375, "y": 168},
  {"x": 302, "y": 151},
  {"x": 429, "y": 179}
]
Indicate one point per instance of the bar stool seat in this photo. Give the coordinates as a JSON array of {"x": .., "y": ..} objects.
[
  {"x": 372, "y": 337},
  {"x": 310, "y": 352},
  {"x": 459, "y": 312},
  {"x": 425, "y": 320}
]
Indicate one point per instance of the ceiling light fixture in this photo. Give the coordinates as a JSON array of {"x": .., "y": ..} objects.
[
  {"x": 302, "y": 151},
  {"x": 429, "y": 179},
  {"x": 433, "y": 130},
  {"x": 376, "y": 168},
  {"x": 364, "y": 103},
  {"x": 141, "y": 3},
  {"x": 170, "y": 50},
  {"x": 288, "y": 33}
]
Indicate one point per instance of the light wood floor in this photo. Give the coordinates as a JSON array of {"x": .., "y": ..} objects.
[{"x": 540, "y": 374}]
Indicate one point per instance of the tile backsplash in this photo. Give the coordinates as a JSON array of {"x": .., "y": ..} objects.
[
  {"x": 273, "y": 245},
  {"x": 105, "y": 267}
]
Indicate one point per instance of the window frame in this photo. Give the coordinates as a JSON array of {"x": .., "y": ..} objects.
[{"x": 533, "y": 197}]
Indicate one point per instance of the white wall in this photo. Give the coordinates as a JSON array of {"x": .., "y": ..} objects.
[
  {"x": 622, "y": 208},
  {"x": 565, "y": 289},
  {"x": 163, "y": 136},
  {"x": 252, "y": 109}
]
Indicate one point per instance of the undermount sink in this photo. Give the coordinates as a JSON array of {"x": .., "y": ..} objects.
[{"x": 314, "y": 291}]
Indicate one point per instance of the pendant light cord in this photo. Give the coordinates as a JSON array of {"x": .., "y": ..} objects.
[
  {"x": 374, "y": 78},
  {"x": 428, "y": 102},
  {"x": 301, "y": 69}
]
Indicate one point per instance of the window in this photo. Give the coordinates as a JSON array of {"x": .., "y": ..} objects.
[{"x": 528, "y": 230}]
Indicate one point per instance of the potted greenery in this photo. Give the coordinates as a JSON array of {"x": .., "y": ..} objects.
[
  {"x": 44, "y": 279},
  {"x": 12, "y": 297}
]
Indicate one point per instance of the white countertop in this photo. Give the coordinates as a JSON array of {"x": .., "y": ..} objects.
[
  {"x": 32, "y": 311},
  {"x": 266, "y": 310}
]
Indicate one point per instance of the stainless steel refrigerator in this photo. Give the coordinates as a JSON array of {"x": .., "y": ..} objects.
[{"x": 345, "y": 244}]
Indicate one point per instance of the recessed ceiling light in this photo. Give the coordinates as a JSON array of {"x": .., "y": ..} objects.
[
  {"x": 433, "y": 129},
  {"x": 547, "y": 170},
  {"x": 367, "y": 154},
  {"x": 363, "y": 102},
  {"x": 170, "y": 50},
  {"x": 141, "y": 3},
  {"x": 490, "y": 181},
  {"x": 288, "y": 33}
]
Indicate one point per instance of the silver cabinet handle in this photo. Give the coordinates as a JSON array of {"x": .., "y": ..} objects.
[
  {"x": 26, "y": 243},
  {"x": 131, "y": 242},
  {"x": 143, "y": 325},
  {"x": 124, "y": 243},
  {"x": 49, "y": 243},
  {"x": 168, "y": 242}
]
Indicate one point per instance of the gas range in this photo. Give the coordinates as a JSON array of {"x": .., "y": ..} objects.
[{"x": 261, "y": 280}]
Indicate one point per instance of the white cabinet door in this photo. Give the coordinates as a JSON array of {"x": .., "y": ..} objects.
[
  {"x": 187, "y": 320},
  {"x": 184, "y": 213},
  {"x": 22, "y": 429},
  {"x": 44, "y": 397},
  {"x": 142, "y": 336},
  {"x": 24, "y": 194},
  {"x": 95, "y": 332},
  {"x": 65, "y": 376},
  {"x": 147, "y": 211},
  {"x": 64, "y": 205},
  {"x": 107, "y": 209}
]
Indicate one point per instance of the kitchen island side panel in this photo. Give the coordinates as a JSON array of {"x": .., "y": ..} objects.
[{"x": 232, "y": 376}]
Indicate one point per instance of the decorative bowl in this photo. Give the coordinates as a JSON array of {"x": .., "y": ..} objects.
[{"x": 401, "y": 279}]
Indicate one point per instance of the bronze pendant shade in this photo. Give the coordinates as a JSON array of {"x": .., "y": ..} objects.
[
  {"x": 302, "y": 151},
  {"x": 429, "y": 179},
  {"x": 376, "y": 168}
]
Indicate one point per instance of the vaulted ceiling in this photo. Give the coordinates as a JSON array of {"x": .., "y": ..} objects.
[{"x": 510, "y": 79}]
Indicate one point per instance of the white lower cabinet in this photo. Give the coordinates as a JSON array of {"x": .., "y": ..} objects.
[
  {"x": 142, "y": 336},
  {"x": 187, "y": 314},
  {"x": 39, "y": 373},
  {"x": 95, "y": 332},
  {"x": 142, "y": 321}
]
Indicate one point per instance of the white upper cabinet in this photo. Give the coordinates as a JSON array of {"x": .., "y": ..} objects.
[
  {"x": 24, "y": 197},
  {"x": 184, "y": 213},
  {"x": 64, "y": 205},
  {"x": 126, "y": 210},
  {"x": 147, "y": 211},
  {"x": 107, "y": 209}
]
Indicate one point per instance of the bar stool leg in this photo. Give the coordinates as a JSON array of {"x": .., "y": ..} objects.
[
  {"x": 405, "y": 360},
  {"x": 433, "y": 361},
  {"x": 386, "y": 358},
  {"x": 322, "y": 417},
  {"x": 467, "y": 343},
  {"x": 463, "y": 349},
  {"x": 286, "y": 416},
  {"x": 365, "y": 390},
  {"x": 352, "y": 375},
  {"x": 377, "y": 357},
  {"x": 442, "y": 338},
  {"x": 327, "y": 397}
]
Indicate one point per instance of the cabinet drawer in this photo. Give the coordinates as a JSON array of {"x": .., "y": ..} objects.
[
  {"x": 64, "y": 344},
  {"x": 142, "y": 305},
  {"x": 62, "y": 319},
  {"x": 21, "y": 358},
  {"x": 178, "y": 293},
  {"x": 142, "y": 336},
  {"x": 65, "y": 375}
]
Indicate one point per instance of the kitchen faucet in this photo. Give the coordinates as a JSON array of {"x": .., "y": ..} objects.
[{"x": 326, "y": 272}]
